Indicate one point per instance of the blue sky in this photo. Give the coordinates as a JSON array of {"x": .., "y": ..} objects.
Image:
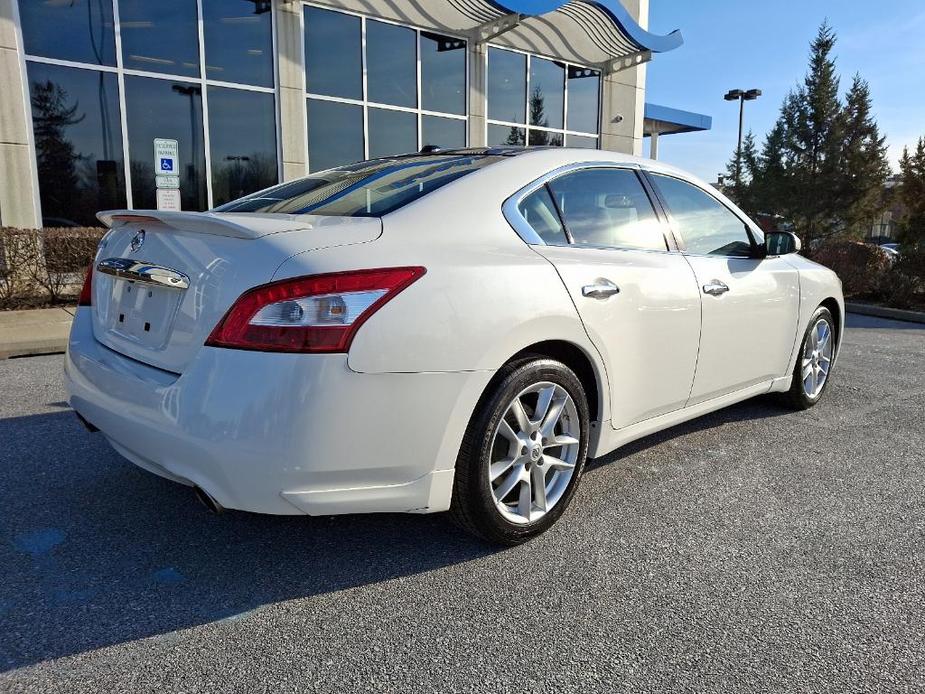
[{"x": 754, "y": 44}]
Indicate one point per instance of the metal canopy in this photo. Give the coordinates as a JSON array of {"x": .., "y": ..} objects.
[
  {"x": 587, "y": 32},
  {"x": 664, "y": 120}
]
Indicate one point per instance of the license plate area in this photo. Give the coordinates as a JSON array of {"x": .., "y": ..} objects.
[{"x": 142, "y": 313}]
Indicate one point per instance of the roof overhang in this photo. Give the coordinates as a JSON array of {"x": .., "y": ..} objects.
[
  {"x": 588, "y": 32},
  {"x": 665, "y": 120}
]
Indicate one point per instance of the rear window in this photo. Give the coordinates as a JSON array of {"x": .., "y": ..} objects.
[{"x": 366, "y": 189}]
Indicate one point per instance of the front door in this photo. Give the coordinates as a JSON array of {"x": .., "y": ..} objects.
[
  {"x": 638, "y": 301},
  {"x": 750, "y": 304}
]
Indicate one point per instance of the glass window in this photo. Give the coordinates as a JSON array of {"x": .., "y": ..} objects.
[
  {"x": 608, "y": 207},
  {"x": 79, "y": 30},
  {"x": 443, "y": 73},
  {"x": 168, "y": 109},
  {"x": 581, "y": 141},
  {"x": 584, "y": 86},
  {"x": 706, "y": 226},
  {"x": 547, "y": 93},
  {"x": 333, "y": 61},
  {"x": 443, "y": 132},
  {"x": 541, "y": 138},
  {"x": 391, "y": 64},
  {"x": 501, "y": 135},
  {"x": 392, "y": 132},
  {"x": 507, "y": 85},
  {"x": 541, "y": 214},
  {"x": 335, "y": 134},
  {"x": 78, "y": 143},
  {"x": 160, "y": 36},
  {"x": 365, "y": 189},
  {"x": 239, "y": 41},
  {"x": 242, "y": 141}
]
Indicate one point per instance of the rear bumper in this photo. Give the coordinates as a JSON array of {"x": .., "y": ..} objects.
[{"x": 279, "y": 433}]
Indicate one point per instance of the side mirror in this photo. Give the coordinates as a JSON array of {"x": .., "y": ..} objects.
[{"x": 782, "y": 243}]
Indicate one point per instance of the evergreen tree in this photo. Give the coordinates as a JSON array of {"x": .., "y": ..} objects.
[
  {"x": 912, "y": 195},
  {"x": 812, "y": 125},
  {"x": 866, "y": 167},
  {"x": 743, "y": 191},
  {"x": 57, "y": 159}
]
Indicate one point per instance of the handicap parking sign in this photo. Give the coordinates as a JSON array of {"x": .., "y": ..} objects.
[{"x": 166, "y": 153}]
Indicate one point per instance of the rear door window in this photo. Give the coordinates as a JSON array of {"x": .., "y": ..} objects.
[{"x": 607, "y": 208}]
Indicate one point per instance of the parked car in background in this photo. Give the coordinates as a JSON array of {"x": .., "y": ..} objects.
[{"x": 456, "y": 330}]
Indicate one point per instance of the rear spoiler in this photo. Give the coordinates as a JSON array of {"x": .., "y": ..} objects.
[{"x": 239, "y": 226}]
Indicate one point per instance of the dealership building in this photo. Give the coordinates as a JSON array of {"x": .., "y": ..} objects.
[{"x": 242, "y": 94}]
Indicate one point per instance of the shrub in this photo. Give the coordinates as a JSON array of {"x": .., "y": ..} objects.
[
  {"x": 861, "y": 266},
  {"x": 900, "y": 290},
  {"x": 44, "y": 265}
]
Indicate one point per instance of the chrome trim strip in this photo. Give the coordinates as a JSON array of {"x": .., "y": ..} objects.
[{"x": 146, "y": 273}]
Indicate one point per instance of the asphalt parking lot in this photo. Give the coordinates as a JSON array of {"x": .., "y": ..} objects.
[{"x": 753, "y": 550}]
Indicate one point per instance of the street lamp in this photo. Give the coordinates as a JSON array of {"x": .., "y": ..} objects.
[{"x": 742, "y": 96}]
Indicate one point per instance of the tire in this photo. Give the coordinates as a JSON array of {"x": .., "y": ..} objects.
[
  {"x": 799, "y": 396},
  {"x": 498, "y": 453}
]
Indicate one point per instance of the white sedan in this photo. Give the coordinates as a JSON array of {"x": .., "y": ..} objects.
[{"x": 455, "y": 330}]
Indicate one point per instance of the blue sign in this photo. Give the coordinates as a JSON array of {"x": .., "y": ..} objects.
[{"x": 167, "y": 164}]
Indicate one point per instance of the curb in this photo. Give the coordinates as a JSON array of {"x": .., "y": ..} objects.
[
  {"x": 884, "y": 312},
  {"x": 33, "y": 332}
]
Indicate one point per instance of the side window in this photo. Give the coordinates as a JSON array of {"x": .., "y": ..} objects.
[
  {"x": 608, "y": 207},
  {"x": 540, "y": 212},
  {"x": 706, "y": 225}
]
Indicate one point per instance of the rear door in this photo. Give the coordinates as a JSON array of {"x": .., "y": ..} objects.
[
  {"x": 637, "y": 298},
  {"x": 750, "y": 302}
]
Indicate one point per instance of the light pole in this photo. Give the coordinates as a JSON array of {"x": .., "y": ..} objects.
[{"x": 742, "y": 95}]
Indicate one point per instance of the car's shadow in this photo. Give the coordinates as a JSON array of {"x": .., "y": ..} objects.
[{"x": 97, "y": 552}]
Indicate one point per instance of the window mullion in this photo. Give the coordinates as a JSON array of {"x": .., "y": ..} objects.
[
  {"x": 365, "y": 90},
  {"x": 204, "y": 105},
  {"x": 123, "y": 117}
]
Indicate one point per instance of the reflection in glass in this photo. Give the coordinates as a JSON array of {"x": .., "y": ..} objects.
[
  {"x": 78, "y": 30},
  {"x": 547, "y": 93},
  {"x": 167, "y": 109},
  {"x": 581, "y": 141},
  {"x": 335, "y": 134},
  {"x": 238, "y": 35},
  {"x": 541, "y": 138},
  {"x": 242, "y": 139},
  {"x": 584, "y": 86},
  {"x": 78, "y": 143},
  {"x": 500, "y": 135},
  {"x": 608, "y": 207},
  {"x": 333, "y": 63},
  {"x": 705, "y": 224},
  {"x": 443, "y": 132},
  {"x": 507, "y": 85},
  {"x": 364, "y": 189},
  {"x": 160, "y": 36},
  {"x": 391, "y": 64},
  {"x": 391, "y": 132},
  {"x": 443, "y": 73}
]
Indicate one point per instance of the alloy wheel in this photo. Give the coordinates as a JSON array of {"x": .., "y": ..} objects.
[
  {"x": 817, "y": 358},
  {"x": 534, "y": 452}
]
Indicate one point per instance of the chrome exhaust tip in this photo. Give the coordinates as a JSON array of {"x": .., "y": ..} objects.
[{"x": 206, "y": 500}]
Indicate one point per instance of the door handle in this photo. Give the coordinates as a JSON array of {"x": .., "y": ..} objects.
[
  {"x": 601, "y": 289},
  {"x": 715, "y": 288}
]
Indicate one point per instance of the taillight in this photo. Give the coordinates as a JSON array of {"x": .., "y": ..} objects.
[
  {"x": 319, "y": 313},
  {"x": 86, "y": 293}
]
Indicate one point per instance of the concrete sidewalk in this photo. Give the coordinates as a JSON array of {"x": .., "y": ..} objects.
[{"x": 39, "y": 331}]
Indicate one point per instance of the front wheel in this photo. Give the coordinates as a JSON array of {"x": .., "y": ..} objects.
[
  {"x": 523, "y": 453},
  {"x": 814, "y": 363}
]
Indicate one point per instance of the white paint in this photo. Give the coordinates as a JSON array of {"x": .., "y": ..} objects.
[{"x": 278, "y": 433}]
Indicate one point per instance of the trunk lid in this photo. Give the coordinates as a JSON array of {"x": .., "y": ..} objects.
[{"x": 163, "y": 280}]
